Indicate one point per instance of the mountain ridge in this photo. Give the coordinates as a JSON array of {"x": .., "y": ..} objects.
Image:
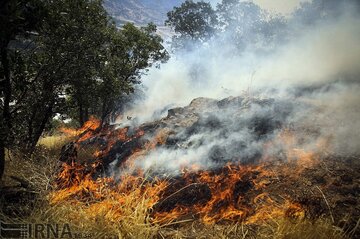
[{"x": 140, "y": 12}]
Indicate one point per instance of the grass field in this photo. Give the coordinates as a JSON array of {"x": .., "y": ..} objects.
[{"x": 129, "y": 217}]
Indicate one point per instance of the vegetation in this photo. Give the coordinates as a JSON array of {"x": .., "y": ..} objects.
[
  {"x": 241, "y": 23},
  {"x": 134, "y": 221},
  {"x": 244, "y": 24},
  {"x": 193, "y": 22},
  {"x": 65, "y": 57}
]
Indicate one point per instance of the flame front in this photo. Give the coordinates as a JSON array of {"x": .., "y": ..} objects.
[
  {"x": 85, "y": 132},
  {"x": 237, "y": 192}
]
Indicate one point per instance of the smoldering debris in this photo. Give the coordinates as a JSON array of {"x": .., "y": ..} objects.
[{"x": 211, "y": 133}]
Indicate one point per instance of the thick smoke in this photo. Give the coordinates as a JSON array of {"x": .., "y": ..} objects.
[
  {"x": 315, "y": 66},
  {"x": 233, "y": 129}
]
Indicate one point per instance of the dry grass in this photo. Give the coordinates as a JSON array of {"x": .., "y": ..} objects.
[
  {"x": 280, "y": 229},
  {"x": 129, "y": 218},
  {"x": 54, "y": 143},
  {"x": 101, "y": 219},
  {"x": 319, "y": 229}
]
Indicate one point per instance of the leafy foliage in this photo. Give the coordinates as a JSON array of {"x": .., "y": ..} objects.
[
  {"x": 311, "y": 12},
  {"x": 17, "y": 20},
  {"x": 66, "y": 57},
  {"x": 193, "y": 21},
  {"x": 241, "y": 23}
]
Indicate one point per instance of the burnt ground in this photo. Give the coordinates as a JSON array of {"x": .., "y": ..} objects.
[
  {"x": 332, "y": 188},
  {"x": 329, "y": 189}
]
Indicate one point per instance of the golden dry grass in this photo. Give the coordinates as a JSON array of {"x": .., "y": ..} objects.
[
  {"x": 319, "y": 229},
  {"x": 53, "y": 143},
  {"x": 110, "y": 218}
]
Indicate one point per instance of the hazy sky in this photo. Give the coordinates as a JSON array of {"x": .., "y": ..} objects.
[{"x": 282, "y": 6}]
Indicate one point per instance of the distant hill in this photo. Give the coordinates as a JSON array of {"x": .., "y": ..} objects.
[{"x": 140, "y": 12}]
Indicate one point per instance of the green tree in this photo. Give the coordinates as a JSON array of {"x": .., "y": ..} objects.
[
  {"x": 126, "y": 56},
  {"x": 63, "y": 53},
  {"x": 192, "y": 22},
  {"x": 245, "y": 24},
  {"x": 132, "y": 52},
  {"x": 75, "y": 36},
  {"x": 56, "y": 54},
  {"x": 17, "y": 20},
  {"x": 241, "y": 20}
]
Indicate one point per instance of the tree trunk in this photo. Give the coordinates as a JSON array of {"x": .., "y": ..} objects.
[
  {"x": 6, "y": 115},
  {"x": 81, "y": 114},
  {"x": 2, "y": 158},
  {"x": 106, "y": 111},
  {"x": 104, "y": 114},
  {"x": 40, "y": 129},
  {"x": 86, "y": 114},
  {"x": 6, "y": 85}
]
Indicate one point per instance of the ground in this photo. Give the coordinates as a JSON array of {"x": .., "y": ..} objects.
[{"x": 327, "y": 192}]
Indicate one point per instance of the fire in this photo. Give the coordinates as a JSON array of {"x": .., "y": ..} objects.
[
  {"x": 233, "y": 193},
  {"x": 104, "y": 196},
  {"x": 88, "y": 128},
  {"x": 113, "y": 137},
  {"x": 237, "y": 195},
  {"x": 159, "y": 139}
]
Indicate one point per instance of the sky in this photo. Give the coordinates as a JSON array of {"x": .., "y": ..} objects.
[
  {"x": 316, "y": 65},
  {"x": 281, "y": 6}
]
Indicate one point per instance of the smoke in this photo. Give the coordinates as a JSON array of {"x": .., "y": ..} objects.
[
  {"x": 316, "y": 68},
  {"x": 324, "y": 53},
  {"x": 234, "y": 129},
  {"x": 339, "y": 118},
  {"x": 321, "y": 54},
  {"x": 284, "y": 7},
  {"x": 278, "y": 6}
]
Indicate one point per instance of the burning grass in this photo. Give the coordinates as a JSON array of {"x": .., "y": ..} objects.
[
  {"x": 105, "y": 209},
  {"x": 111, "y": 214},
  {"x": 302, "y": 194},
  {"x": 242, "y": 202},
  {"x": 231, "y": 194}
]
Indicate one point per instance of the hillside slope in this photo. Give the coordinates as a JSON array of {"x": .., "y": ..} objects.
[{"x": 140, "y": 12}]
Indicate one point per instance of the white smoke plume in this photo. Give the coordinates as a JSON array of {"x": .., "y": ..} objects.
[{"x": 318, "y": 64}]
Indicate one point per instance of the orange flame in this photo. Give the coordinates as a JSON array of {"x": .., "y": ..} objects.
[
  {"x": 89, "y": 126},
  {"x": 238, "y": 192}
]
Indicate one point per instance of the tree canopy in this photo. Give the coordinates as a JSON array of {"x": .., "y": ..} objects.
[
  {"x": 233, "y": 21},
  {"x": 192, "y": 21},
  {"x": 65, "y": 57}
]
